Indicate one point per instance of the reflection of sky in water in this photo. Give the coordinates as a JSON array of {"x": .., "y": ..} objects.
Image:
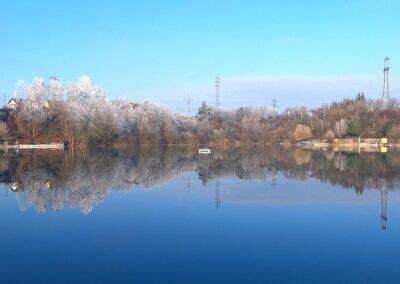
[{"x": 299, "y": 231}]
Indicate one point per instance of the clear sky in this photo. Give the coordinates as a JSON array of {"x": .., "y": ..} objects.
[{"x": 301, "y": 52}]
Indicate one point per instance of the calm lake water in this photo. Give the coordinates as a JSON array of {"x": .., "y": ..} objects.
[{"x": 245, "y": 215}]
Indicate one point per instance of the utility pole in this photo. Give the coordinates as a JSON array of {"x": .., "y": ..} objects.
[
  {"x": 188, "y": 100},
  {"x": 385, "y": 94},
  {"x": 217, "y": 87}
]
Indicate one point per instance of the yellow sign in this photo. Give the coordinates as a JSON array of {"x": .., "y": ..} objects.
[
  {"x": 384, "y": 140},
  {"x": 384, "y": 149}
]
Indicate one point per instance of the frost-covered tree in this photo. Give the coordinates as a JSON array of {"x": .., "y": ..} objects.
[
  {"x": 32, "y": 111},
  {"x": 105, "y": 122},
  {"x": 85, "y": 91},
  {"x": 55, "y": 92},
  {"x": 20, "y": 89},
  {"x": 341, "y": 128}
]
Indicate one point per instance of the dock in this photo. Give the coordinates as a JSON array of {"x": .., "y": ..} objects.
[{"x": 55, "y": 146}]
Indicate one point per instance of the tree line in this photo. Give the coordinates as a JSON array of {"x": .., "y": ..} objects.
[{"x": 81, "y": 114}]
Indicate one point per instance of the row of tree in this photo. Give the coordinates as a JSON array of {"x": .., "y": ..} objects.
[{"x": 80, "y": 113}]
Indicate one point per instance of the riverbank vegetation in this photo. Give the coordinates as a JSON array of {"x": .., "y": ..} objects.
[{"x": 81, "y": 114}]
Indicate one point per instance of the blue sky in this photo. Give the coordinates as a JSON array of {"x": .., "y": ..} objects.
[{"x": 301, "y": 52}]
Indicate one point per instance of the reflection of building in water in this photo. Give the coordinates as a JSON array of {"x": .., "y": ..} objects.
[
  {"x": 49, "y": 184},
  {"x": 384, "y": 193},
  {"x": 13, "y": 186}
]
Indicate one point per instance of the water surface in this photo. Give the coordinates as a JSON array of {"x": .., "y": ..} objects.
[{"x": 244, "y": 215}]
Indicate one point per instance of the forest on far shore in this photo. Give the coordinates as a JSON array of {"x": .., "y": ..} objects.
[{"x": 80, "y": 114}]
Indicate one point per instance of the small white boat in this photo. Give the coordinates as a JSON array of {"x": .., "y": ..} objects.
[{"x": 204, "y": 151}]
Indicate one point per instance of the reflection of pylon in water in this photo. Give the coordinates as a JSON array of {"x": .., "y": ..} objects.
[
  {"x": 384, "y": 194},
  {"x": 189, "y": 182},
  {"x": 274, "y": 178},
  {"x": 216, "y": 199}
]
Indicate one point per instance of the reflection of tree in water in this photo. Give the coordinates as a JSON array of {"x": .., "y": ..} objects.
[
  {"x": 205, "y": 175},
  {"x": 84, "y": 178}
]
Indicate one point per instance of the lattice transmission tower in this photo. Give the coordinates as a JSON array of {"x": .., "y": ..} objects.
[
  {"x": 189, "y": 101},
  {"x": 274, "y": 107},
  {"x": 385, "y": 94}
]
